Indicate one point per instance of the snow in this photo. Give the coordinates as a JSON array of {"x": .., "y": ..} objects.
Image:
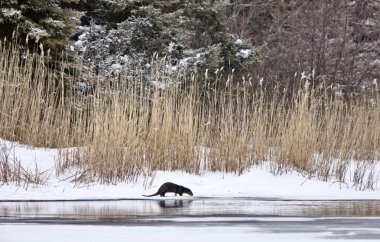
[
  {"x": 37, "y": 33},
  {"x": 185, "y": 61},
  {"x": 160, "y": 84},
  {"x": 82, "y": 36},
  {"x": 244, "y": 53},
  {"x": 192, "y": 60},
  {"x": 79, "y": 43},
  {"x": 116, "y": 67},
  {"x": 370, "y": 23},
  {"x": 376, "y": 63},
  {"x": 55, "y": 23},
  {"x": 11, "y": 12},
  {"x": 351, "y": 3},
  {"x": 239, "y": 42},
  {"x": 171, "y": 47},
  {"x": 257, "y": 182}
]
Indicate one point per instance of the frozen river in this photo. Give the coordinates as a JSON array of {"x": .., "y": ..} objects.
[{"x": 189, "y": 219}]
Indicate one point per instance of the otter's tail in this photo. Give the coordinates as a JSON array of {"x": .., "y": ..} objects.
[{"x": 151, "y": 195}]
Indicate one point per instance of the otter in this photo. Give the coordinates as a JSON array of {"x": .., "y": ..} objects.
[{"x": 171, "y": 187}]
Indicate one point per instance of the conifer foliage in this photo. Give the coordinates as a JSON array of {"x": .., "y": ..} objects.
[
  {"x": 190, "y": 34},
  {"x": 121, "y": 35},
  {"x": 51, "y": 22}
]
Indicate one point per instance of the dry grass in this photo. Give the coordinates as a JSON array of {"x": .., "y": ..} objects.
[
  {"x": 11, "y": 170},
  {"x": 129, "y": 126}
]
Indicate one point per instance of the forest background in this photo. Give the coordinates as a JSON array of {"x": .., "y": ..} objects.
[{"x": 139, "y": 86}]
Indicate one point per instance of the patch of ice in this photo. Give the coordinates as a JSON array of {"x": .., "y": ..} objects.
[{"x": 100, "y": 233}]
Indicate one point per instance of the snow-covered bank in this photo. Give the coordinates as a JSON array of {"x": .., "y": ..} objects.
[{"x": 256, "y": 183}]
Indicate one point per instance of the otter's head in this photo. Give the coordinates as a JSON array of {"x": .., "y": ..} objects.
[{"x": 187, "y": 191}]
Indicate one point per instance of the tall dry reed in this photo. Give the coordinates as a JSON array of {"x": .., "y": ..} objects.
[{"x": 130, "y": 125}]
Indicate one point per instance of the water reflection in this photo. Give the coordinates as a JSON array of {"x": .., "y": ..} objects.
[
  {"x": 349, "y": 208},
  {"x": 133, "y": 210},
  {"x": 174, "y": 203}
]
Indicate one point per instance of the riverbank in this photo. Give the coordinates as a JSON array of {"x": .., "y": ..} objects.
[{"x": 258, "y": 182}]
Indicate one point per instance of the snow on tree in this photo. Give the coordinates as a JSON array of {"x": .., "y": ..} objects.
[
  {"x": 51, "y": 22},
  {"x": 190, "y": 34},
  {"x": 116, "y": 35}
]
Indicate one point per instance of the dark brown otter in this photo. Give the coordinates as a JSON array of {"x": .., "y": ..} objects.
[{"x": 171, "y": 187}]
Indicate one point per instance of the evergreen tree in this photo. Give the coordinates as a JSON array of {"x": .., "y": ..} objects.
[
  {"x": 121, "y": 34},
  {"x": 191, "y": 34},
  {"x": 51, "y": 22}
]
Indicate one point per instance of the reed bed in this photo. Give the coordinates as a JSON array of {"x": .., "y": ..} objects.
[
  {"x": 13, "y": 172},
  {"x": 135, "y": 124}
]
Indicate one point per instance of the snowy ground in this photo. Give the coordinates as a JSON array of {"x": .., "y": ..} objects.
[
  {"x": 254, "y": 219},
  {"x": 257, "y": 183}
]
